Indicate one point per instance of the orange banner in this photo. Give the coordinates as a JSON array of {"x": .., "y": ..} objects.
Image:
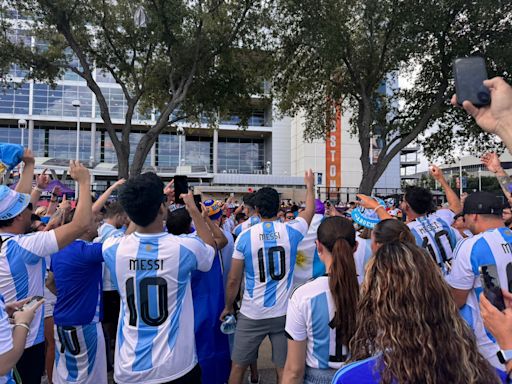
[{"x": 333, "y": 154}]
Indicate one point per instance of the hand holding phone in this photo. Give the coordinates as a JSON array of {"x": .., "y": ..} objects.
[
  {"x": 491, "y": 285},
  {"x": 180, "y": 188}
]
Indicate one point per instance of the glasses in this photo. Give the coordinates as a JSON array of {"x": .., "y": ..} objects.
[{"x": 290, "y": 217}]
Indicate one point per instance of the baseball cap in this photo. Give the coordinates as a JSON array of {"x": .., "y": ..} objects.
[
  {"x": 213, "y": 208},
  {"x": 483, "y": 203},
  {"x": 12, "y": 203},
  {"x": 10, "y": 156}
]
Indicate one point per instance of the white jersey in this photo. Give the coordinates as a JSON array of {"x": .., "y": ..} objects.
[
  {"x": 253, "y": 220},
  {"x": 5, "y": 340},
  {"x": 310, "y": 311},
  {"x": 155, "y": 338},
  {"x": 435, "y": 234},
  {"x": 308, "y": 264},
  {"x": 22, "y": 271},
  {"x": 106, "y": 231},
  {"x": 80, "y": 355},
  {"x": 491, "y": 247},
  {"x": 361, "y": 256},
  {"x": 269, "y": 250}
]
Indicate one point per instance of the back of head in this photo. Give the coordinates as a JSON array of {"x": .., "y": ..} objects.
[
  {"x": 419, "y": 199},
  {"x": 249, "y": 200},
  {"x": 391, "y": 230},
  {"x": 178, "y": 222},
  {"x": 266, "y": 202},
  {"x": 337, "y": 234},
  {"x": 406, "y": 311},
  {"x": 141, "y": 197},
  {"x": 113, "y": 209}
]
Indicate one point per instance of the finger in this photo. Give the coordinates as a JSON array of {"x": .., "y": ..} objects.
[
  {"x": 44, "y": 172},
  {"x": 38, "y": 304},
  {"x": 494, "y": 83},
  {"x": 486, "y": 305},
  {"x": 453, "y": 100},
  {"x": 470, "y": 108}
]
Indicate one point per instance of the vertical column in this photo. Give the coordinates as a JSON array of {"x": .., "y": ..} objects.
[
  {"x": 92, "y": 158},
  {"x": 30, "y": 134},
  {"x": 215, "y": 149},
  {"x": 152, "y": 155}
]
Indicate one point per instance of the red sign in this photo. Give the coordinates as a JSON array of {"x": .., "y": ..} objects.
[{"x": 333, "y": 153}]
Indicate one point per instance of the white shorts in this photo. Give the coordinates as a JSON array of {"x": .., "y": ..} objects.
[{"x": 49, "y": 303}]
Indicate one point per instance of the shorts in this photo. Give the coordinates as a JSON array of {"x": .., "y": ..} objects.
[
  {"x": 250, "y": 334},
  {"x": 318, "y": 376},
  {"x": 49, "y": 303},
  {"x": 111, "y": 307}
]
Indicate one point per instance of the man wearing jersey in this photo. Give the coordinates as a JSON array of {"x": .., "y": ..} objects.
[
  {"x": 265, "y": 255},
  {"x": 151, "y": 269},
  {"x": 80, "y": 346},
  {"x": 433, "y": 230},
  {"x": 22, "y": 263},
  {"x": 250, "y": 213},
  {"x": 491, "y": 245}
]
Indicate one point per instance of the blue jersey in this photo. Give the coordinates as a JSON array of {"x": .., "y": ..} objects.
[
  {"x": 253, "y": 220},
  {"x": 22, "y": 272},
  {"x": 77, "y": 273},
  {"x": 5, "y": 340},
  {"x": 493, "y": 247},
  {"x": 155, "y": 338},
  {"x": 80, "y": 355},
  {"x": 269, "y": 250}
]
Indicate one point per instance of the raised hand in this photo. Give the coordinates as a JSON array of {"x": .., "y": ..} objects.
[
  {"x": 491, "y": 162},
  {"x": 42, "y": 180},
  {"x": 118, "y": 183},
  {"x": 367, "y": 201},
  {"x": 78, "y": 172},
  {"x": 28, "y": 157},
  {"x": 309, "y": 178},
  {"x": 436, "y": 173}
]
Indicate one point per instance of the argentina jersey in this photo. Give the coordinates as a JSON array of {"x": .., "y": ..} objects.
[
  {"x": 269, "y": 250},
  {"x": 362, "y": 256},
  {"x": 310, "y": 311},
  {"x": 308, "y": 264},
  {"x": 155, "y": 338},
  {"x": 253, "y": 220},
  {"x": 5, "y": 340},
  {"x": 492, "y": 247},
  {"x": 79, "y": 354},
  {"x": 435, "y": 234},
  {"x": 22, "y": 272},
  {"x": 106, "y": 231}
]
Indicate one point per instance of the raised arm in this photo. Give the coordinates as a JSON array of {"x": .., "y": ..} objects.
[
  {"x": 218, "y": 235},
  {"x": 370, "y": 203},
  {"x": 200, "y": 225},
  {"x": 27, "y": 175},
  {"x": 308, "y": 213},
  {"x": 42, "y": 181},
  {"x": 493, "y": 164},
  {"x": 451, "y": 196},
  {"x": 100, "y": 203}
]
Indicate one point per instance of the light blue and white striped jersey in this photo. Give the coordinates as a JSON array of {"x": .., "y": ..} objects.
[
  {"x": 5, "y": 340},
  {"x": 22, "y": 272},
  {"x": 80, "y": 355},
  {"x": 106, "y": 231},
  {"x": 253, "y": 220},
  {"x": 269, "y": 250},
  {"x": 361, "y": 256},
  {"x": 155, "y": 338},
  {"x": 310, "y": 311},
  {"x": 491, "y": 247},
  {"x": 435, "y": 234},
  {"x": 308, "y": 264}
]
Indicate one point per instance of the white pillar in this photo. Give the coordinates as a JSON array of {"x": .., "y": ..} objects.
[
  {"x": 30, "y": 134},
  {"x": 92, "y": 158},
  {"x": 152, "y": 155},
  {"x": 215, "y": 149}
]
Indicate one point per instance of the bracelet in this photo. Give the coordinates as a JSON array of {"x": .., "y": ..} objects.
[
  {"x": 379, "y": 206},
  {"x": 38, "y": 189},
  {"x": 23, "y": 325}
]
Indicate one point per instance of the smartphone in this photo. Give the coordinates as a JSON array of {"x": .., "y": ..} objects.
[
  {"x": 180, "y": 187},
  {"x": 32, "y": 302},
  {"x": 197, "y": 200},
  {"x": 509, "y": 276},
  {"x": 469, "y": 74},
  {"x": 491, "y": 285}
]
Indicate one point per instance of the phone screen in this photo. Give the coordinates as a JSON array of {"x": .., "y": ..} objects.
[
  {"x": 470, "y": 73},
  {"x": 491, "y": 285},
  {"x": 197, "y": 200},
  {"x": 180, "y": 187}
]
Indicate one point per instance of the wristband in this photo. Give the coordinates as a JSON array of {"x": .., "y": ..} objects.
[
  {"x": 378, "y": 206},
  {"x": 23, "y": 325}
]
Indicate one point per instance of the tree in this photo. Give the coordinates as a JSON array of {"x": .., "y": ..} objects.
[
  {"x": 349, "y": 53},
  {"x": 188, "y": 60}
]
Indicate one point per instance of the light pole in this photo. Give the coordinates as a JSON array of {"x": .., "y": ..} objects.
[
  {"x": 180, "y": 132},
  {"x": 460, "y": 177},
  {"x": 22, "y": 124},
  {"x": 479, "y": 179},
  {"x": 76, "y": 104}
]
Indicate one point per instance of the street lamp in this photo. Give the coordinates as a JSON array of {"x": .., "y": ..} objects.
[
  {"x": 180, "y": 131},
  {"x": 268, "y": 167},
  {"x": 76, "y": 103},
  {"x": 22, "y": 124}
]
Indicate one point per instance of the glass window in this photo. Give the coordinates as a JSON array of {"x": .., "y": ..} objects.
[
  {"x": 167, "y": 150},
  {"x": 198, "y": 152},
  {"x": 14, "y": 100},
  {"x": 12, "y": 135},
  {"x": 241, "y": 156},
  {"x": 62, "y": 144},
  {"x": 38, "y": 142}
]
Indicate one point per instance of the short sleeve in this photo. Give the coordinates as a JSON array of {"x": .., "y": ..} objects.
[
  {"x": 461, "y": 275},
  {"x": 238, "y": 253},
  {"x": 297, "y": 229},
  {"x": 92, "y": 253},
  {"x": 204, "y": 253},
  {"x": 40, "y": 244},
  {"x": 446, "y": 215},
  {"x": 295, "y": 320},
  {"x": 5, "y": 330}
]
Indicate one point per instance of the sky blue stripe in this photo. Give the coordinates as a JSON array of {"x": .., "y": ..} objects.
[
  {"x": 271, "y": 285},
  {"x": 294, "y": 238},
  {"x": 18, "y": 270},
  {"x": 481, "y": 254},
  {"x": 120, "y": 334},
  {"x": 109, "y": 255},
  {"x": 321, "y": 330},
  {"x": 148, "y": 250},
  {"x": 467, "y": 314},
  {"x": 186, "y": 265},
  {"x": 245, "y": 247},
  {"x": 419, "y": 240},
  {"x": 318, "y": 265},
  {"x": 40, "y": 331},
  {"x": 90, "y": 332}
]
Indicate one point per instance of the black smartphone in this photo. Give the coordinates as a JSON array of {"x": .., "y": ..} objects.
[
  {"x": 491, "y": 285},
  {"x": 32, "y": 302},
  {"x": 469, "y": 74},
  {"x": 197, "y": 200},
  {"x": 509, "y": 276},
  {"x": 180, "y": 187}
]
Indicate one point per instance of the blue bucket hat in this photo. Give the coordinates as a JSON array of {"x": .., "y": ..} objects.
[
  {"x": 367, "y": 218},
  {"x": 12, "y": 203},
  {"x": 10, "y": 156}
]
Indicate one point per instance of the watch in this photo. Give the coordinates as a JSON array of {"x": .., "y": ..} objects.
[{"x": 504, "y": 355}]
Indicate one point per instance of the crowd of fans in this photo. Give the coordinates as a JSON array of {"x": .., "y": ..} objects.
[{"x": 372, "y": 291}]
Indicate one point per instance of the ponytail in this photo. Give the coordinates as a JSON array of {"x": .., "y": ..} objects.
[{"x": 344, "y": 289}]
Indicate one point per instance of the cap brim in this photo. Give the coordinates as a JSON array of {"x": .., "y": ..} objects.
[
  {"x": 22, "y": 201},
  {"x": 216, "y": 215}
]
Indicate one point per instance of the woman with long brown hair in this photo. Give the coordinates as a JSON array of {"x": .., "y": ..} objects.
[
  {"x": 408, "y": 326},
  {"x": 321, "y": 313}
]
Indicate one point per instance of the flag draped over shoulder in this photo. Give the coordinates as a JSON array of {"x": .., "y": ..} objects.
[{"x": 308, "y": 264}]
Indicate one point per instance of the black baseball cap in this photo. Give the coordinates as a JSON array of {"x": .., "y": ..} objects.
[{"x": 483, "y": 203}]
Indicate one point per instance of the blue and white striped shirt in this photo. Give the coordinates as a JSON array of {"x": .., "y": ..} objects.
[
  {"x": 253, "y": 220},
  {"x": 5, "y": 340}
]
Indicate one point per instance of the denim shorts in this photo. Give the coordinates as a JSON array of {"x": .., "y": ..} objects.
[{"x": 318, "y": 376}]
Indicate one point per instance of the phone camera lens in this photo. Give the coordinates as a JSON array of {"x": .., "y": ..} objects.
[{"x": 484, "y": 97}]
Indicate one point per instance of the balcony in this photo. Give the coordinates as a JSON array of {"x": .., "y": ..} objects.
[{"x": 411, "y": 148}]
